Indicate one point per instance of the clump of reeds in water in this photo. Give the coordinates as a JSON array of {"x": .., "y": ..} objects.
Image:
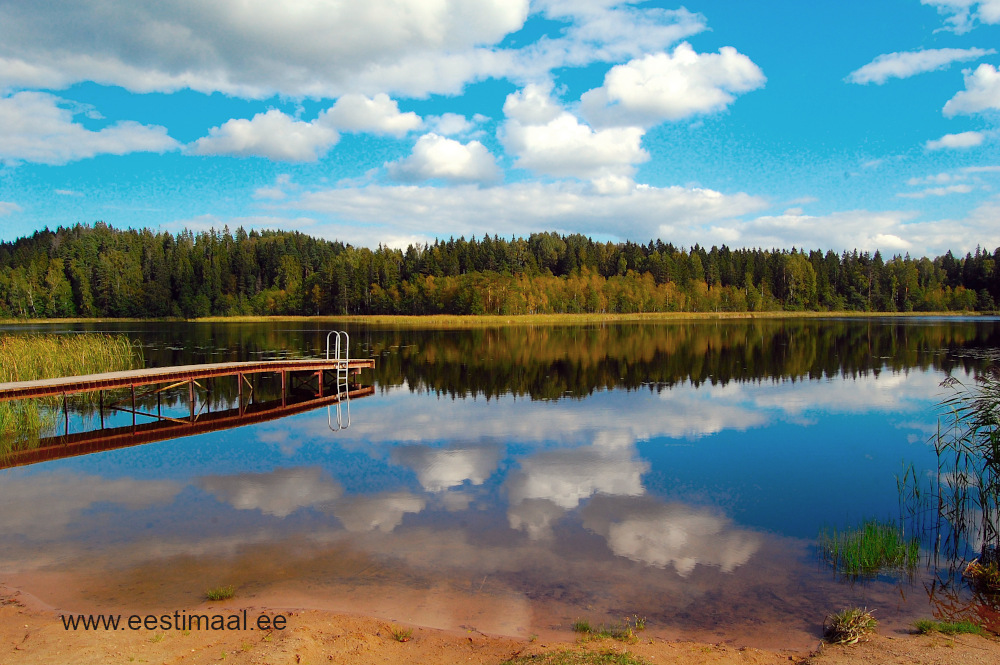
[
  {"x": 874, "y": 547},
  {"x": 985, "y": 576},
  {"x": 968, "y": 448},
  {"x": 32, "y": 357}
]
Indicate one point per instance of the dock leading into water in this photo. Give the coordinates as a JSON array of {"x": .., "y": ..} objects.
[
  {"x": 310, "y": 392},
  {"x": 164, "y": 429},
  {"x": 176, "y": 375}
]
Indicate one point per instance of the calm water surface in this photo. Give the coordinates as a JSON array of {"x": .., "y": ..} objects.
[{"x": 514, "y": 480}]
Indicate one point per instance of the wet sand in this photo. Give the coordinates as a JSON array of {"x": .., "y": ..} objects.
[{"x": 31, "y": 633}]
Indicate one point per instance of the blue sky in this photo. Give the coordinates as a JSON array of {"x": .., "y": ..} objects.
[{"x": 868, "y": 125}]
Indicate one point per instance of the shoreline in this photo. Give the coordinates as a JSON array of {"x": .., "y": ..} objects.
[
  {"x": 31, "y": 633},
  {"x": 496, "y": 320}
]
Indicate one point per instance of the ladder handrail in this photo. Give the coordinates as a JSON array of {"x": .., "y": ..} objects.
[
  {"x": 343, "y": 372},
  {"x": 347, "y": 342}
]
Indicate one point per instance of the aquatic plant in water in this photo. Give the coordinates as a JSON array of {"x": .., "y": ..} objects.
[
  {"x": 968, "y": 450},
  {"x": 874, "y": 547},
  {"x": 31, "y": 357}
]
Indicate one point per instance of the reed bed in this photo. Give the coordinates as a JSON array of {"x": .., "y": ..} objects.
[
  {"x": 874, "y": 547},
  {"x": 32, "y": 357},
  {"x": 968, "y": 450}
]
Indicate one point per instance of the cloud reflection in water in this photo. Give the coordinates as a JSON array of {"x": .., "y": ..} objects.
[{"x": 663, "y": 534}]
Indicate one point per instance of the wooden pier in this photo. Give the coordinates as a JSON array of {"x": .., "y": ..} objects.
[
  {"x": 84, "y": 443},
  {"x": 309, "y": 392},
  {"x": 174, "y": 375}
]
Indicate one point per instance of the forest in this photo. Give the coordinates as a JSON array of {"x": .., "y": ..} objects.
[{"x": 96, "y": 270}]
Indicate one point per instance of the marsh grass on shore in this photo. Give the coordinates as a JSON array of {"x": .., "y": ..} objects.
[
  {"x": 625, "y": 632},
  {"x": 578, "y": 658},
  {"x": 220, "y": 593},
  {"x": 32, "y": 357},
  {"x": 965, "y": 627},
  {"x": 872, "y": 548},
  {"x": 849, "y": 626}
]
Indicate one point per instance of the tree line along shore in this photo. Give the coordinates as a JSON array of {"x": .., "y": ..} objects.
[{"x": 95, "y": 270}]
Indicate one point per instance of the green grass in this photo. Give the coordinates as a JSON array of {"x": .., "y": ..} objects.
[
  {"x": 626, "y": 631},
  {"x": 32, "y": 357},
  {"x": 871, "y": 548},
  {"x": 578, "y": 658},
  {"x": 220, "y": 593},
  {"x": 926, "y": 626},
  {"x": 849, "y": 626},
  {"x": 401, "y": 634}
]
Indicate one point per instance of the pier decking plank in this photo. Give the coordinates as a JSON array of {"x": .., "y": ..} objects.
[{"x": 143, "y": 377}]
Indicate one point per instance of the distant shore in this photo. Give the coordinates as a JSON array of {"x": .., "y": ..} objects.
[{"x": 490, "y": 320}]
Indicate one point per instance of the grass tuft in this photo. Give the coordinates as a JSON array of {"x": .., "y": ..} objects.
[
  {"x": 849, "y": 626},
  {"x": 401, "y": 634},
  {"x": 964, "y": 627},
  {"x": 874, "y": 547},
  {"x": 578, "y": 658},
  {"x": 626, "y": 631},
  {"x": 221, "y": 593}
]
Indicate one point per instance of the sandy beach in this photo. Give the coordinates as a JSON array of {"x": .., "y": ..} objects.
[{"x": 32, "y": 633}]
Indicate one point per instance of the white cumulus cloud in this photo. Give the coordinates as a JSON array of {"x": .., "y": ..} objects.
[
  {"x": 8, "y": 208},
  {"x": 982, "y": 92},
  {"x": 436, "y": 156},
  {"x": 273, "y": 135},
  {"x": 962, "y": 15},
  {"x": 909, "y": 63},
  {"x": 953, "y": 141},
  {"x": 672, "y": 86},
  {"x": 37, "y": 127},
  {"x": 378, "y": 115},
  {"x": 550, "y": 141},
  {"x": 257, "y": 48}
]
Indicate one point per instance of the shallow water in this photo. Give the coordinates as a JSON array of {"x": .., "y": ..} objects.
[{"x": 514, "y": 480}]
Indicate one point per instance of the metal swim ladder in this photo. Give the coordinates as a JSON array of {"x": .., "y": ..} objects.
[{"x": 341, "y": 354}]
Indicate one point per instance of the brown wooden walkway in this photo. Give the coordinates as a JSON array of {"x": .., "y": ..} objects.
[
  {"x": 83, "y": 443},
  {"x": 145, "y": 377}
]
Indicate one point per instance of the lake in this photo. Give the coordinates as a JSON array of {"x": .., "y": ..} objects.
[{"x": 513, "y": 480}]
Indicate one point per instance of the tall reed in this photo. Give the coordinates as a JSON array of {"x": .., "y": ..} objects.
[
  {"x": 874, "y": 547},
  {"x": 31, "y": 357},
  {"x": 968, "y": 450}
]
